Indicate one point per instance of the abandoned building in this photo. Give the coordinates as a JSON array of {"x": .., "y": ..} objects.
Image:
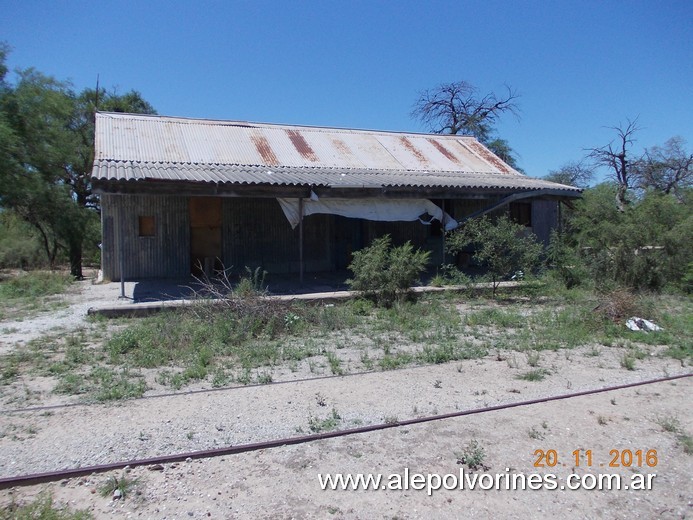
[{"x": 181, "y": 196}]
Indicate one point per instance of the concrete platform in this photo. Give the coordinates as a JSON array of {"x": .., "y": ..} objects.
[{"x": 123, "y": 308}]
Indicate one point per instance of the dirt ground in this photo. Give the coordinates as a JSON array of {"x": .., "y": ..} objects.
[{"x": 283, "y": 482}]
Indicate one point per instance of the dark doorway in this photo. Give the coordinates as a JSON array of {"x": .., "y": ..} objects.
[
  {"x": 205, "y": 235},
  {"x": 348, "y": 237}
]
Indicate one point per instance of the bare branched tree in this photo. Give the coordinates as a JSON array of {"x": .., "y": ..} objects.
[
  {"x": 666, "y": 168},
  {"x": 616, "y": 157},
  {"x": 452, "y": 108},
  {"x": 573, "y": 174}
]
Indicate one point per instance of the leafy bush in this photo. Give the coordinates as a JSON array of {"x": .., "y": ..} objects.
[
  {"x": 42, "y": 508},
  {"x": 386, "y": 273},
  {"x": 19, "y": 246},
  {"x": 34, "y": 284},
  {"x": 644, "y": 247},
  {"x": 564, "y": 262},
  {"x": 502, "y": 246}
]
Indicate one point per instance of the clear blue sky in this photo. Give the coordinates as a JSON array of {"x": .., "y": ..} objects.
[{"x": 579, "y": 66}]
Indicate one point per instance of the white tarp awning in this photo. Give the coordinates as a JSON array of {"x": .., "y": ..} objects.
[{"x": 387, "y": 210}]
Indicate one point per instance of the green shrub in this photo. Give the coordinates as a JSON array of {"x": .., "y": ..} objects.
[
  {"x": 34, "y": 284},
  {"x": 500, "y": 245},
  {"x": 19, "y": 246},
  {"x": 386, "y": 273},
  {"x": 42, "y": 508},
  {"x": 642, "y": 248},
  {"x": 564, "y": 262}
]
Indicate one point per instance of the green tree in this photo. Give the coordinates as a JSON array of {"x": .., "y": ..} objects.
[
  {"x": 647, "y": 246},
  {"x": 46, "y": 156},
  {"x": 35, "y": 112},
  {"x": 385, "y": 272},
  {"x": 457, "y": 108},
  {"x": 501, "y": 245}
]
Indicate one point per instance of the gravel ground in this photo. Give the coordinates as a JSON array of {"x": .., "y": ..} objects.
[
  {"x": 70, "y": 314},
  {"x": 282, "y": 482},
  {"x": 62, "y": 438}
]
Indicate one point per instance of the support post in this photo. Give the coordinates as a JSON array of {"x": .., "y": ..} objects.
[
  {"x": 300, "y": 241},
  {"x": 442, "y": 234},
  {"x": 560, "y": 217},
  {"x": 121, "y": 247}
]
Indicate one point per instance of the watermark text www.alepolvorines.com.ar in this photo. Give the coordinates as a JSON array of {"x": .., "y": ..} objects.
[{"x": 465, "y": 480}]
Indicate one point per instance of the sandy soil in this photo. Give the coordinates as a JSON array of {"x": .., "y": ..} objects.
[
  {"x": 71, "y": 313},
  {"x": 283, "y": 482}
]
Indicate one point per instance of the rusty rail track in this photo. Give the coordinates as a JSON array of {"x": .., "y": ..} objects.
[{"x": 40, "y": 478}]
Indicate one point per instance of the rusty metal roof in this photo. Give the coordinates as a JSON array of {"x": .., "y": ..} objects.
[{"x": 132, "y": 147}]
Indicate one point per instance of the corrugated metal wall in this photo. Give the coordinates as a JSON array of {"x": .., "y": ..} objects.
[
  {"x": 255, "y": 233},
  {"x": 544, "y": 219},
  {"x": 164, "y": 255}
]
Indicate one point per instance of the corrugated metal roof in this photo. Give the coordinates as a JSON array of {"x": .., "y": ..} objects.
[{"x": 144, "y": 147}]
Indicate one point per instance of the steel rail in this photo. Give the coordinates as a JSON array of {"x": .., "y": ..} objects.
[
  {"x": 40, "y": 478},
  {"x": 29, "y": 409}
]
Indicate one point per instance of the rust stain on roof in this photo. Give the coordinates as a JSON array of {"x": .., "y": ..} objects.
[
  {"x": 488, "y": 156},
  {"x": 301, "y": 145},
  {"x": 341, "y": 146},
  {"x": 444, "y": 151},
  {"x": 264, "y": 149},
  {"x": 417, "y": 153}
]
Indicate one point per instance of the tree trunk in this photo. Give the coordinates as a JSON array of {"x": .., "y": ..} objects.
[
  {"x": 76, "y": 259},
  {"x": 621, "y": 201}
]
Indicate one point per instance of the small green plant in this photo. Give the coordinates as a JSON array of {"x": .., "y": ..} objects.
[
  {"x": 366, "y": 360},
  {"x": 291, "y": 320},
  {"x": 264, "y": 378},
  {"x": 669, "y": 424},
  {"x": 472, "y": 456},
  {"x": 245, "y": 377},
  {"x": 602, "y": 421},
  {"x": 628, "y": 361},
  {"x": 327, "y": 424},
  {"x": 335, "y": 363},
  {"x": 537, "y": 374},
  {"x": 118, "y": 487},
  {"x": 385, "y": 272},
  {"x": 686, "y": 442},
  {"x": 535, "y": 434},
  {"x": 252, "y": 283},
  {"x": 533, "y": 358},
  {"x": 42, "y": 508},
  {"x": 594, "y": 352}
]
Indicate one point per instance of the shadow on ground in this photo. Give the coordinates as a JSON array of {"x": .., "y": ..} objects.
[{"x": 177, "y": 289}]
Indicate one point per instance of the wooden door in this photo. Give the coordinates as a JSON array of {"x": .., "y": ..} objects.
[{"x": 205, "y": 235}]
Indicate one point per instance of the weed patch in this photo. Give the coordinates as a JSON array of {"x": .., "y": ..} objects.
[
  {"x": 472, "y": 456},
  {"x": 538, "y": 374},
  {"x": 42, "y": 508},
  {"x": 34, "y": 285}
]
